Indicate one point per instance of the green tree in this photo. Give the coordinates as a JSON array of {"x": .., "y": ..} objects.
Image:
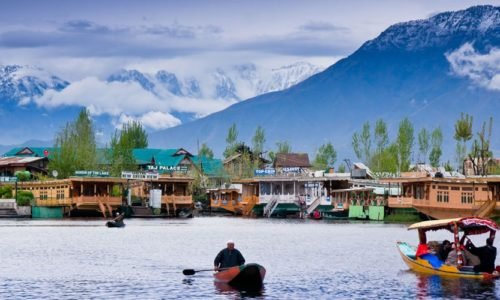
[
  {"x": 423, "y": 143},
  {"x": 366, "y": 142},
  {"x": 480, "y": 154},
  {"x": 231, "y": 141},
  {"x": 75, "y": 147},
  {"x": 361, "y": 143},
  {"x": 258, "y": 141},
  {"x": 463, "y": 134},
  {"x": 381, "y": 140},
  {"x": 205, "y": 151},
  {"x": 341, "y": 168},
  {"x": 436, "y": 142},
  {"x": 282, "y": 147},
  {"x": 325, "y": 157},
  {"x": 404, "y": 142},
  {"x": 120, "y": 153},
  {"x": 135, "y": 135}
]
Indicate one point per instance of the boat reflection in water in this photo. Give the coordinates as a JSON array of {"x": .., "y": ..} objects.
[
  {"x": 435, "y": 286},
  {"x": 226, "y": 289}
]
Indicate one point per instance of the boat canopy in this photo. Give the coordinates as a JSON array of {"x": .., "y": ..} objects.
[{"x": 469, "y": 225}]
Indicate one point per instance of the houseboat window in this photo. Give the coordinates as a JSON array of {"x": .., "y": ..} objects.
[
  {"x": 442, "y": 187},
  {"x": 433, "y": 186},
  {"x": 265, "y": 188},
  {"x": 466, "y": 189},
  {"x": 289, "y": 189},
  {"x": 239, "y": 198},
  {"x": 466, "y": 198},
  {"x": 442, "y": 197},
  {"x": 455, "y": 188},
  {"x": 60, "y": 194},
  {"x": 419, "y": 192},
  {"x": 485, "y": 189},
  {"x": 43, "y": 195},
  {"x": 277, "y": 189},
  {"x": 477, "y": 189}
]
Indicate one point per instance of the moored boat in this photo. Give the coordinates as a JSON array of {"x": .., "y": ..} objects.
[
  {"x": 421, "y": 260},
  {"x": 249, "y": 276}
]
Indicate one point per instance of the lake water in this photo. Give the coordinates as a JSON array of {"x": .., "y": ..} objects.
[{"x": 305, "y": 259}]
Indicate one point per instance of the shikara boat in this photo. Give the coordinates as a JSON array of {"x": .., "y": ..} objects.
[
  {"x": 420, "y": 260},
  {"x": 249, "y": 276}
]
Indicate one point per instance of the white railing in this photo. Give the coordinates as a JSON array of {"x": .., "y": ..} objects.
[
  {"x": 271, "y": 206},
  {"x": 313, "y": 205}
]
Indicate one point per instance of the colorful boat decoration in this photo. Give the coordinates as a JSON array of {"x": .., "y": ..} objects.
[
  {"x": 419, "y": 259},
  {"x": 249, "y": 276}
]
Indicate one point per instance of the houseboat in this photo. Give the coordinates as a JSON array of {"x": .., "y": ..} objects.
[{"x": 448, "y": 197}]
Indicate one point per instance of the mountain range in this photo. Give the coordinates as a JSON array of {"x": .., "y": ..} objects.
[
  {"x": 21, "y": 86},
  {"x": 427, "y": 70}
]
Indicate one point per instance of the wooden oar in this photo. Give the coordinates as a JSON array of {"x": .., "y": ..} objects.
[{"x": 192, "y": 271}]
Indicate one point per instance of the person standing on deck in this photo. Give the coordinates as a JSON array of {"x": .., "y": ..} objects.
[
  {"x": 487, "y": 255},
  {"x": 228, "y": 257}
]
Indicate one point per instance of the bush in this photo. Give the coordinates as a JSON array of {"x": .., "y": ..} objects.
[
  {"x": 23, "y": 175},
  {"x": 6, "y": 192},
  {"x": 24, "y": 198}
]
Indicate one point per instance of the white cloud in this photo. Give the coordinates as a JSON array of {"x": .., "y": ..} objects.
[
  {"x": 153, "y": 119},
  {"x": 482, "y": 69},
  {"x": 102, "y": 97}
]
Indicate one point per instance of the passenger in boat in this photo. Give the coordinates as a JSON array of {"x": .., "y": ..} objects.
[
  {"x": 444, "y": 250},
  {"x": 487, "y": 255},
  {"x": 228, "y": 257},
  {"x": 119, "y": 219}
]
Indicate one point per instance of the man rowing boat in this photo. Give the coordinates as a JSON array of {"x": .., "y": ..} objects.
[{"x": 228, "y": 257}]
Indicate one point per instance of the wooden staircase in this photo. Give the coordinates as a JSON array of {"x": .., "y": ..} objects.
[{"x": 485, "y": 209}]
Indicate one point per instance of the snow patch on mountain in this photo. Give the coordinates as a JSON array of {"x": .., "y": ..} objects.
[
  {"x": 24, "y": 83},
  {"x": 475, "y": 22}
]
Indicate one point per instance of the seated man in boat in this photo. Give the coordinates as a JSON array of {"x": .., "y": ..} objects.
[
  {"x": 487, "y": 255},
  {"x": 119, "y": 218},
  {"x": 228, "y": 257},
  {"x": 444, "y": 250}
]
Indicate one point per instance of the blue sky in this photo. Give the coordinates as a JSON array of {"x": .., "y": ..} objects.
[
  {"x": 81, "y": 38},
  {"x": 86, "y": 41}
]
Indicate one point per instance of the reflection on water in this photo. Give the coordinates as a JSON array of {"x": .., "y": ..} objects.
[
  {"x": 433, "y": 286},
  {"x": 304, "y": 260},
  {"x": 226, "y": 289}
]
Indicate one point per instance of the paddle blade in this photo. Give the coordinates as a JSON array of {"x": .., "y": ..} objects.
[{"x": 188, "y": 272}]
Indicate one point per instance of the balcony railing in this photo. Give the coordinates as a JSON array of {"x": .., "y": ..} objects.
[
  {"x": 52, "y": 201},
  {"x": 95, "y": 200},
  {"x": 170, "y": 199}
]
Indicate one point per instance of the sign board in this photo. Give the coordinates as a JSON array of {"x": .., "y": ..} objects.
[
  {"x": 264, "y": 172},
  {"x": 8, "y": 179},
  {"x": 83, "y": 173},
  {"x": 139, "y": 175},
  {"x": 291, "y": 170},
  {"x": 168, "y": 169}
]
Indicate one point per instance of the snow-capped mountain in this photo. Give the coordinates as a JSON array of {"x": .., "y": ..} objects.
[
  {"x": 475, "y": 23},
  {"x": 23, "y": 83},
  {"x": 427, "y": 70},
  {"x": 236, "y": 83}
]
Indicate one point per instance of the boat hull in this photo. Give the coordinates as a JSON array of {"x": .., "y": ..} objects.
[
  {"x": 112, "y": 224},
  {"x": 423, "y": 266},
  {"x": 249, "y": 276}
]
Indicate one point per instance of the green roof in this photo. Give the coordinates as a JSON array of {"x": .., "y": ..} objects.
[
  {"x": 210, "y": 166},
  {"x": 30, "y": 151},
  {"x": 161, "y": 157}
]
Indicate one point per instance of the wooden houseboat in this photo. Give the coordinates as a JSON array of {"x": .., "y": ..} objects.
[{"x": 450, "y": 197}]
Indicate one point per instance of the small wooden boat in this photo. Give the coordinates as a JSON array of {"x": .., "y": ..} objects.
[
  {"x": 420, "y": 260},
  {"x": 113, "y": 224},
  {"x": 249, "y": 276}
]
